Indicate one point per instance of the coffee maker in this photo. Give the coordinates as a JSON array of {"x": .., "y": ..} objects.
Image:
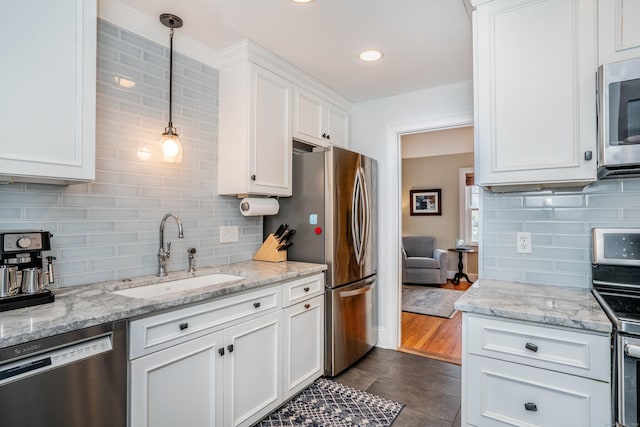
[{"x": 23, "y": 271}]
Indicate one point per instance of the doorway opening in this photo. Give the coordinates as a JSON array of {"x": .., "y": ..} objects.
[{"x": 434, "y": 160}]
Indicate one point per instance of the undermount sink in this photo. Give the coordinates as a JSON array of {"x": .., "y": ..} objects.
[{"x": 165, "y": 288}]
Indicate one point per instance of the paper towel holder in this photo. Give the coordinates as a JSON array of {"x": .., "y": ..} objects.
[{"x": 266, "y": 206}]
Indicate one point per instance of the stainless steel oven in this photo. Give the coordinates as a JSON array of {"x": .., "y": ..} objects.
[
  {"x": 628, "y": 362},
  {"x": 616, "y": 286}
]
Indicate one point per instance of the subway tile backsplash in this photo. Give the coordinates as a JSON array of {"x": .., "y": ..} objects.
[
  {"x": 560, "y": 222},
  {"x": 108, "y": 229}
]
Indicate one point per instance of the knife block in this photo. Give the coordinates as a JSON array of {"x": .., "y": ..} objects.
[{"x": 269, "y": 251}]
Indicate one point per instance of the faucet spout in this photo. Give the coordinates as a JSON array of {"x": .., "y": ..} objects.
[{"x": 162, "y": 253}]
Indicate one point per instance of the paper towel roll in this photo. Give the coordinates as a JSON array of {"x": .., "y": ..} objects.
[{"x": 254, "y": 206}]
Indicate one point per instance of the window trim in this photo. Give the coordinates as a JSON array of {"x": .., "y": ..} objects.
[{"x": 464, "y": 221}]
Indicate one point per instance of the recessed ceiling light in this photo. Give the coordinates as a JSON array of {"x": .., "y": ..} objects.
[
  {"x": 370, "y": 55},
  {"x": 302, "y": 1}
]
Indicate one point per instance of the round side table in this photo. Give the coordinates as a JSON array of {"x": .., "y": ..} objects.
[{"x": 460, "y": 274}]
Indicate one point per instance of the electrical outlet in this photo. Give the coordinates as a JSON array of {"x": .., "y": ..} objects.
[
  {"x": 523, "y": 242},
  {"x": 229, "y": 234}
]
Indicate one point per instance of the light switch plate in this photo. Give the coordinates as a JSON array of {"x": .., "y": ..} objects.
[{"x": 228, "y": 234}]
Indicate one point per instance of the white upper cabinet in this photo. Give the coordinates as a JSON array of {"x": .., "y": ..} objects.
[
  {"x": 535, "y": 99},
  {"x": 48, "y": 102},
  {"x": 265, "y": 103},
  {"x": 317, "y": 121},
  {"x": 255, "y": 143},
  {"x": 618, "y": 30}
]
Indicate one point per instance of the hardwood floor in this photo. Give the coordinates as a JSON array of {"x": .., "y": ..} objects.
[{"x": 434, "y": 337}]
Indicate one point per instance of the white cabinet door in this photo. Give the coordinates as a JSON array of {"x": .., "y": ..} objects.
[
  {"x": 47, "y": 107},
  {"x": 253, "y": 367},
  {"x": 317, "y": 121},
  {"x": 271, "y": 144},
  {"x": 337, "y": 126},
  {"x": 179, "y": 386},
  {"x": 501, "y": 394},
  {"x": 535, "y": 100},
  {"x": 618, "y": 30},
  {"x": 255, "y": 139},
  {"x": 303, "y": 344},
  {"x": 308, "y": 117}
]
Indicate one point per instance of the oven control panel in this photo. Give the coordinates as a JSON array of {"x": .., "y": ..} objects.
[{"x": 616, "y": 246}]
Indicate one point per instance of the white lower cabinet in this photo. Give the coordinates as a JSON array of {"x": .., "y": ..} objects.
[
  {"x": 509, "y": 394},
  {"x": 303, "y": 344},
  {"x": 180, "y": 385},
  {"x": 517, "y": 373},
  {"x": 252, "y": 369},
  {"x": 227, "y": 362}
]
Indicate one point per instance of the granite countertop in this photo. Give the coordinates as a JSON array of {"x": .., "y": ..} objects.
[
  {"x": 552, "y": 305},
  {"x": 79, "y": 307}
]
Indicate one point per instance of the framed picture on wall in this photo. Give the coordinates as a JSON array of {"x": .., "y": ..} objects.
[{"x": 425, "y": 202}]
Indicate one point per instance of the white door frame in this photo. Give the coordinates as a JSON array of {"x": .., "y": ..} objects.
[{"x": 394, "y": 209}]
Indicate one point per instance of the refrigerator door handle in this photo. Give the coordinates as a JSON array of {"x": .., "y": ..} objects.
[
  {"x": 355, "y": 216},
  {"x": 360, "y": 215},
  {"x": 366, "y": 214}
]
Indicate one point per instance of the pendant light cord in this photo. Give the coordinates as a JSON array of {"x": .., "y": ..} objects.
[{"x": 170, "y": 76}]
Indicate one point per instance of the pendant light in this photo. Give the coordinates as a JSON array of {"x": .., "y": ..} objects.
[{"x": 171, "y": 147}]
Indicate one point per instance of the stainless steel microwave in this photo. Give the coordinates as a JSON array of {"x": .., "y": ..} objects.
[{"x": 619, "y": 119}]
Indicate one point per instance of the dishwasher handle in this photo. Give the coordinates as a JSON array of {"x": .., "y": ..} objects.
[{"x": 27, "y": 367}]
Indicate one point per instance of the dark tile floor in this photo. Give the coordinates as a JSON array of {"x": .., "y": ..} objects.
[{"x": 430, "y": 389}]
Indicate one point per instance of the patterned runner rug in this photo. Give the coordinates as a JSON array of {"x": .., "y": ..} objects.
[{"x": 326, "y": 403}]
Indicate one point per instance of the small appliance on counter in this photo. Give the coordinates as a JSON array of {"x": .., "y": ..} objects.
[{"x": 23, "y": 274}]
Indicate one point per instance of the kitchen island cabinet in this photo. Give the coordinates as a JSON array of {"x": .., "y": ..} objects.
[
  {"x": 48, "y": 102},
  {"x": 534, "y": 355},
  {"x": 535, "y": 101}
]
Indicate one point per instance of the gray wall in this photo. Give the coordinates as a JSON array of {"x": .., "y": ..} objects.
[
  {"x": 108, "y": 229},
  {"x": 435, "y": 172},
  {"x": 560, "y": 222}
]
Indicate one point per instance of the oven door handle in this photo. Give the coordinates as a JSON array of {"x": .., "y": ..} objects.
[{"x": 632, "y": 351}]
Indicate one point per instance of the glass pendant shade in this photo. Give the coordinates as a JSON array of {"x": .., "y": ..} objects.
[{"x": 171, "y": 147}]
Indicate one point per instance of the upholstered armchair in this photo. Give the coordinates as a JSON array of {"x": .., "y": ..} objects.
[{"x": 422, "y": 263}]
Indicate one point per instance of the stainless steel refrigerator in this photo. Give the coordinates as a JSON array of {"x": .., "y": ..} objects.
[{"x": 333, "y": 210}]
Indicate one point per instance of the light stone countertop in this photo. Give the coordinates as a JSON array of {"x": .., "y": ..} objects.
[
  {"x": 553, "y": 305},
  {"x": 79, "y": 307}
]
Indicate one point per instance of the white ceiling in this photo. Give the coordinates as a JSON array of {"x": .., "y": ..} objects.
[{"x": 426, "y": 43}]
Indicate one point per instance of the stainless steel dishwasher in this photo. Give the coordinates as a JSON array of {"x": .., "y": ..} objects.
[{"x": 73, "y": 379}]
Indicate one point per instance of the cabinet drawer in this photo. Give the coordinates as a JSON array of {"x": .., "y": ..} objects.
[
  {"x": 579, "y": 353},
  {"x": 507, "y": 394},
  {"x": 163, "y": 330},
  {"x": 301, "y": 289}
]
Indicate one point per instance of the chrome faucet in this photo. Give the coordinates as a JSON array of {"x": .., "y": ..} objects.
[{"x": 162, "y": 254}]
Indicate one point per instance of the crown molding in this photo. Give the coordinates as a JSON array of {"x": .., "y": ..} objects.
[
  {"x": 247, "y": 50},
  {"x": 135, "y": 21}
]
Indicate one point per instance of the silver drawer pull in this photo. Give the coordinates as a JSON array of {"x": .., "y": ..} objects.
[
  {"x": 256, "y": 304},
  {"x": 530, "y": 407},
  {"x": 183, "y": 326},
  {"x": 531, "y": 346}
]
